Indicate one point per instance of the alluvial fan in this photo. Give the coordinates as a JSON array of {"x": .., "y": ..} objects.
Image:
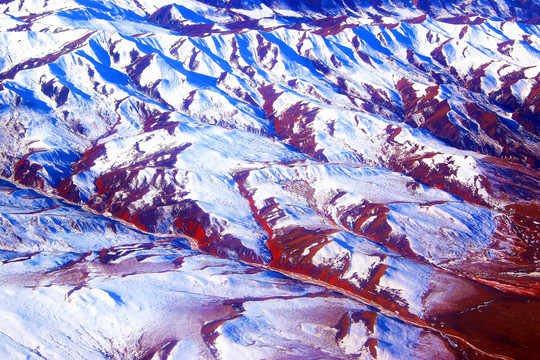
[{"x": 272, "y": 179}]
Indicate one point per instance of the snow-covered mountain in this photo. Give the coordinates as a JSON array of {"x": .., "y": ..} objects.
[{"x": 269, "y": 179}]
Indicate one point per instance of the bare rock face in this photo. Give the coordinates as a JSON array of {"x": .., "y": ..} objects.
[{"x": 270, "y": 179}]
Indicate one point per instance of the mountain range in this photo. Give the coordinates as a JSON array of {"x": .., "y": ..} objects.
[{"x": 273, "y": 179}]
